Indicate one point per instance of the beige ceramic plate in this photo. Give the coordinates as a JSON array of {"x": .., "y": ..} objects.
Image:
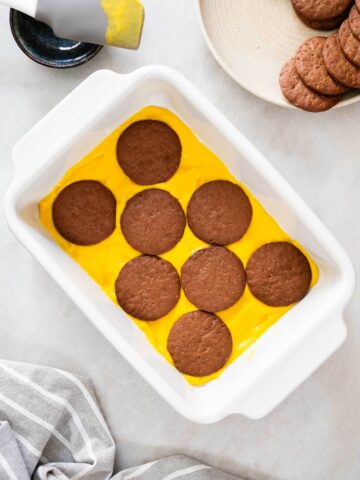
[{"x": 252, "y": 39}]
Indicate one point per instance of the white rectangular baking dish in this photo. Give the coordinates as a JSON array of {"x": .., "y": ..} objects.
[{"x": 289, "y": 351}]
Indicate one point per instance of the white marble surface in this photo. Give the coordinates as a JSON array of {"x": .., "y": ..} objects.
[{"x": 314, "y": 434}]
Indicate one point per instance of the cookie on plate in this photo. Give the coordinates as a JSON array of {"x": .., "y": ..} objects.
[
  {"x": 149, "y": 152},
  {"x": 153, "y": 221},
  {"x": 321, "y": 9},
  {"x": 147, "y": 287},
  {"x": 278, "y": 274},
  {"x": 213, "y": 279},
  {"x": 84, "y": 212},
  {"x": 199, "y": 343},
  {"x": 219, "y": 212},
  {"x": 329, "y": 24},
  {"x": 338, "y": 66},
  {"x": 299, "y": 94},
  {"x": 349, "y": 44},
  {"x": 311, "y": 68}
]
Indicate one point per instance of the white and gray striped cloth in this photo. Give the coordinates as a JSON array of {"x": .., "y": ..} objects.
[
  {"x": 51, "y": 428},
  {"x": 173, "y": 468}
]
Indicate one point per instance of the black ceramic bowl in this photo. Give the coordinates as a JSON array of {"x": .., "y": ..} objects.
[{"x": 39, "y": 43}]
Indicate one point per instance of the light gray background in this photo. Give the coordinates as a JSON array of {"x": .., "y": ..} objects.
[{"x": 314, "y": 434}]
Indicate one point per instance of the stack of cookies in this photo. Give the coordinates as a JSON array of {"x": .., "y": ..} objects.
[{"x": 324, "y": 68}]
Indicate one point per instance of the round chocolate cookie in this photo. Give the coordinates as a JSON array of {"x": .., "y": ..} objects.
[
  {"x": 338, "y": 66},
  {"x": 219, "y": 212},
  {"x": 149, "y": 152},
  {"x": 299, "y": 94},
  {"x": 278, "y": 274},
  {"x": 84, "y": 212},
  {"x": 148, "y": 288},
  {"x": 199, "y": 344},
  {"x": 213, "y": 279},
  {"x": 354, "y": 19},
  {"x": 153, "y": 221},
  {"x": 329, "y": 24},
  {"x": 321, "y": 9},
  {"x": 349, "y": 44},
  {"x": 311, "y": 68}
]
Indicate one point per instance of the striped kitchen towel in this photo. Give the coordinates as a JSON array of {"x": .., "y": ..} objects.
[
  {"x": 173, "y": 468},
  {"x": 51, "y": 428}
]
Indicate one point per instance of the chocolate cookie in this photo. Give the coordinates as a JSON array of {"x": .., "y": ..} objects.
[
  {"x": 299, "y": 94},
  {"x": 148, "y": 288},
  {"x": 84, "y": 213},
  {"x": 349, "y": 44},
  {"x": 354, "y": 19},
  {"x": 219, "y": 212},
  {"x": 199, "y": 343},
  {"x": 321, "y": 9},
  {"x": 213, "y": 279},
  {"x": 149, "y": 152},
  {"x": 278, "y": 274},
  {"x": 311, "y": 68},
  {"x": 329, "y": 24},
  {"x": 153, "y": 221},
  {"x": 338, "y": 65}
]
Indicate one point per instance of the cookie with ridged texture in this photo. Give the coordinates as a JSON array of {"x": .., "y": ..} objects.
[
  {"x": 321, "y": 9},
  {"x": 213, "y": 279},
  {"x": 311, "y": 68},
  {"x": 153, "y": 221},
  {"x": 219, "y": 212},
  {"x": 148, "y": 288},
  {"x": 149, "y": 152},
  {"x": 338, "y": 66},
  {"x": 299, "y": 94},
  {"x": 199, "y": 343},
  {"x": 278, "y": 274},
  {"x": 349, "y": 44},
  {"x": 84, "y": 212}
]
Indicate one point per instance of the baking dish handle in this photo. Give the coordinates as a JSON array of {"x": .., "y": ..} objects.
[
  {"x": 289, "y": 372},
  {"x": 70, "y": 118}
]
